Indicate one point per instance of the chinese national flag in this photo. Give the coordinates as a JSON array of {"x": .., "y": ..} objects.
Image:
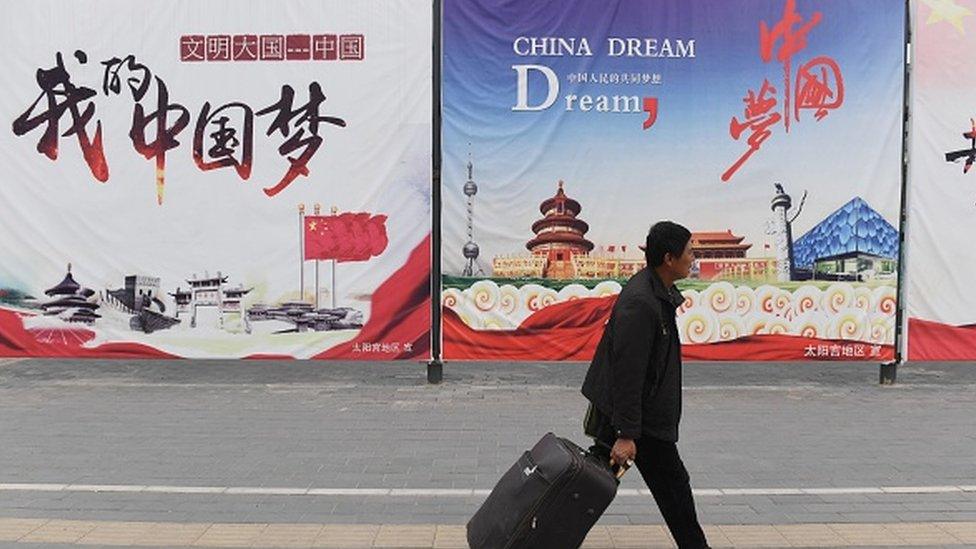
[{"x": 345, "y": 237}]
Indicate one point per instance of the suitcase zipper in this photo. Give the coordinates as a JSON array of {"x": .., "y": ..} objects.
[
  {"x": 526, "y": 523},
  {"x": 583, "y": 456}
]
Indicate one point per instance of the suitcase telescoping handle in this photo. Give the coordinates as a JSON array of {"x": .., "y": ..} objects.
[{"x": 621, "y": 469}]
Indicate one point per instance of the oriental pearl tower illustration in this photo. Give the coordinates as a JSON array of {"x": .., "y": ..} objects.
[{"x": 471, "y": 249}]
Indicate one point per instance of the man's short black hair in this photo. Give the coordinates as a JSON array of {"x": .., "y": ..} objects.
[{"x": 665, "y": 237}]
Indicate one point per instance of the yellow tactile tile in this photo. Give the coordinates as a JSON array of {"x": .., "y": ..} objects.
[
  {"x": 12, "y": 529},
  {"x": 362, "y": 536},
  {"x": 639, "y": 537},
  {"x": 351, "y": 536},
  {"x": 287, "y": 535},
  {"x": 60, "y": 531},
  {"x": 450, "y": 537},
  {"x": 405, "y": 536},
  {"x": 754, "y": 536},
  {"x": 116, "y": 533},
  {"x": 230, "y": 535}
]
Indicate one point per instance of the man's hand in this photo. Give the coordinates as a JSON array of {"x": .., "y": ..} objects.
[{"x": 623, "y": 451}]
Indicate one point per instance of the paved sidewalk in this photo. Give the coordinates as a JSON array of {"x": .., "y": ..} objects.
[
  {"x": 772, "y": 449},
  {"x": 149, "y": 534}
]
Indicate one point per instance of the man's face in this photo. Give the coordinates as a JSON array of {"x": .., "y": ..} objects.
[{"x": 681, "y": 266}]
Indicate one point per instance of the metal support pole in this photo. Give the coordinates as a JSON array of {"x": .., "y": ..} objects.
[
  {"x": 318, "y": 211},
  {"x": 888, "y": 371},
  {"x": 335, "y": 211},
  {"x": 301, "y": 252},
  {"x": 435, "y": 367}
]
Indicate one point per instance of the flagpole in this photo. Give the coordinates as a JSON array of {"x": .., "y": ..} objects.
[
  {"x": 301, "y": 252},
  {"x": 318, "y": 210},
  {"x": 335, "y": 210}
]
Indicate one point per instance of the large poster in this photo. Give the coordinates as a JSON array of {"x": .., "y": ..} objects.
[
  {"x": 942, "y": 193},
  {"x": 771, "y": 129},
  {"x": 215, "y": 179}
]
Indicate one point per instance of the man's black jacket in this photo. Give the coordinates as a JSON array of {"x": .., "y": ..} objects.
[{"x": 635, "y": 376}]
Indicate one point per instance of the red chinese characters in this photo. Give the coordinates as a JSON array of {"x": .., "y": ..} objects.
[
  {"x": 165, "y": 132},
  {"x": 351, "y": 47},
  {"x": 218, "y": 47},
  {"x": 791, "y": 41},
  {"x": 306, "y": 117},
  {"x": 758, "y": 120},
  {"x": 60, "y": 97},
  {"x": 968, "y": 154},
  {"x": 272, "y": 47},
  {"x": 223, "y": 135},
  {"x": 245, "y": 47},
  {"x": 192, "y": 47},
  {"x": 818, "y": 84},
  {"x": 325, "y": 47}
]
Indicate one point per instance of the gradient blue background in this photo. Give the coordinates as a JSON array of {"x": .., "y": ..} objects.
[{"x": 627, "y": 178}]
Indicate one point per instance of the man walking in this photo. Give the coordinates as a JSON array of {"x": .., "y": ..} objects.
[{"x": 634, "y": 381}]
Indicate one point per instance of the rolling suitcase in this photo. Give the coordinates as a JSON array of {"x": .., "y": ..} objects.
[{"x": 550, "y": 499}]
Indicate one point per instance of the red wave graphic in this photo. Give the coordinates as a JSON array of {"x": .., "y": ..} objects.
[
  {"x": 400, "y": 314},
  {"x": 17, "y": 341},
  {"x": 571, "y": 330},
  {"x": 929, "y": 340}
]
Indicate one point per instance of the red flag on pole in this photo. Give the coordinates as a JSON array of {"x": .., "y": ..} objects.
[{"x": 345, "y": 237}]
